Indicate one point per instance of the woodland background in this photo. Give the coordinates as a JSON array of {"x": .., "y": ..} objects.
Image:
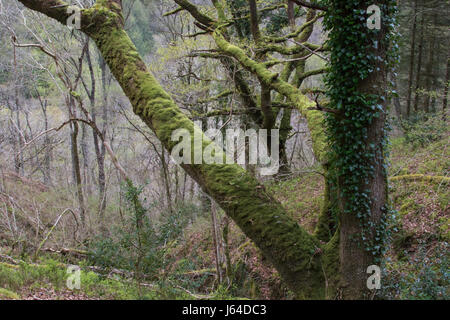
[{"x": 62, "y": 196}]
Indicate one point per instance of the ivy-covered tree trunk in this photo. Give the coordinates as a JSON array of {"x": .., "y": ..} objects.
[
  {"x": 358, "y": 91},
  {"x": 362, "y": 231}
]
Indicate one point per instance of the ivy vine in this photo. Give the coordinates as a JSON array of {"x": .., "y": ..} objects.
[{"x": 353, "y": 58}]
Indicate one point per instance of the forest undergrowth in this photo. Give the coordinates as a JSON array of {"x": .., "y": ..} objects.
[{"x": 176, "y": 259}]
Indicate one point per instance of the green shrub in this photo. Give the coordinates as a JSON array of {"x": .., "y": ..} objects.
[
  {"x": 424, "y": 128},
  {"x": 7, "y": 294},
  {"x": 138, "y": 244},
  {"x": 424, "y": 277},
  {"x": 10, "y": 278}
]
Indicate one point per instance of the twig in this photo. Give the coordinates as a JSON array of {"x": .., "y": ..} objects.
[
  {"x": 27, "y": 143},
  {"x": 308, "y": 49},
  {"x": 53, "y": 227},
  {"x": 310, "y": 5}
]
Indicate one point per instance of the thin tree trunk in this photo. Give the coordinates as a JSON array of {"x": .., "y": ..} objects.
[
  {"x": 183, "y": 192},
  {"x": 216, "y": 242},
  {"x": 291, "y": 14},
  {"x": 85, "y": 153},
  {"x": 101, "y": 152},
  {"x": 165, "y": 176},
  {"x": 76, "y": 170},
  {"x": 226, "y": 247},
  {"x": 98, "y": 147},
  {"x": 18, "y": 158},
  {"x": 429, "y": 69},
  {"x": 177, "y": 185},
  {"x": 14, "y": 141},
  {"x": 48, "y": 147},
  {"x": 411, "y": 61},
  {"x": 254, "y": 25},
  {"x": 445, "y": 94},
  {"x": 419, "y": 66},
  {"x": 396, "y": 98}
]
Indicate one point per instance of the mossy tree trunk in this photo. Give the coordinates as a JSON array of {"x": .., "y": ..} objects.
[{"x": 355, "y": 259}]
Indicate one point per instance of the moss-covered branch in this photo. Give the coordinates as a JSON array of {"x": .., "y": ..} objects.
[
  {"x": 294, "y": 34},
  {"x": 196, "y": 13},
  {"x": 223, "y": 94},
  {"x": 56, "y": 9},
  {"x": 421, "y": 177},
  {"x": 310, "y": 4},
  {"x": 303, "y": 104},
  {"x": 311, "y": 73},
  {"x": 175, "y": 11},
  {"x": 270, "y": 47}
]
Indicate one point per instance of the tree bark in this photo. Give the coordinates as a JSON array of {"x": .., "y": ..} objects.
[
  {"x": 216, "y": 243},
  {"x": 98, "y": 147},
  {"x": 411, "y": 61},
  {"x": 419, "y": 66},
  {"x": 76, "y": 165},
  {"x": 85, "y": 153},
  {"x": 354, "y": 256},
  {"x": 446, "y": 84},
  {"x": 429, "y": 68},
  {"x": 254, "y": 25},
  {"x": 445, "y": 94},
  {"x": 47, "y": 144},
  {"x": 101, "y": 151}
]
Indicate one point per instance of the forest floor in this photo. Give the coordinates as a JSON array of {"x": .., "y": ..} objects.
[{"x": 417, "y": 260}]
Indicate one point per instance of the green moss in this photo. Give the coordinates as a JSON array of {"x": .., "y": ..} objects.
[
  {"x": 402, "y": 241},
  {"x": 408, "y": 205},
  {"x": 444, "y": 228},
  {"x": 7, "y": 294},
  {"x": 323, "y": 229},
  {"x": 422, "y": 177},
  {"x": 330, "y": 265},
  {"x": 259, "y": 69}
]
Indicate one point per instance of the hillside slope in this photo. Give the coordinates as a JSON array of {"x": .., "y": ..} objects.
[{"x": 417, "y": 262}]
